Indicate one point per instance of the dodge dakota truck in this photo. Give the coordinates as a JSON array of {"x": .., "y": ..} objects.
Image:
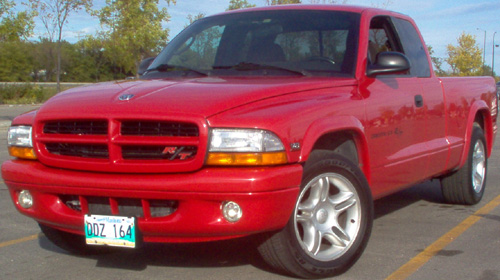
[{"x": 283, "y": 123}]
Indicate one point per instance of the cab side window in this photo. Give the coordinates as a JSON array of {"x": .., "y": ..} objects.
[
  {"x": 413, "y": 48},
  {"x": 382, "y": 38}
]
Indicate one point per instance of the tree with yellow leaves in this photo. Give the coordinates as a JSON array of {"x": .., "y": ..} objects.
[{"x": 466, "y": 58}]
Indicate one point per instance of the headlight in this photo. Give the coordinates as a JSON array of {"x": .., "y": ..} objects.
[
  {"x": 20, "y": 136},
  {"x": 245, "y": 147},
  {"x": 20, "y": 142},
  {"x": 244, "y": 140}
]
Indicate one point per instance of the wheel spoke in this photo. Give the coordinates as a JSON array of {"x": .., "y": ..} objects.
[
  {"x": 324, "y": 188},
  {"x": 478, "y": 159},
  {"x": 347, "y": 205},
  {"x": 315, "y": 193},
  {"x": 317, "y": 243},
  {"x": 312, "y": 200},
  {"x": 338, "y": 237},
  {"x": 304, "y": 215},
  {"x": 312, "y": 238},
  {"x": 478, "y": 177},
  {"x": 343, "y": 201},
  {"x": 308, "y": 205}
]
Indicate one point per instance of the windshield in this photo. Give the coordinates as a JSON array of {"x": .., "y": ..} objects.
[{"x": 285, "y": 42}]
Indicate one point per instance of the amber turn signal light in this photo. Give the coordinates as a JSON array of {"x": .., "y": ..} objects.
[
  {"x": 22, "y": 152},
  {"x": 247, "y": 159}
]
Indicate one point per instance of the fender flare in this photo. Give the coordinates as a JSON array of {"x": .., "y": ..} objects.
[
  {"x": 335, "y": 124},
  {"x": 476, "y": 108}
]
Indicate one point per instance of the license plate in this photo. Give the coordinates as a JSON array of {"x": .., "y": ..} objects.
[{"x": 110, "y": 230}]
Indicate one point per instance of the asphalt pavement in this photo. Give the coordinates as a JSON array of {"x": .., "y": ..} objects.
[
  {"x": 8, "y": 112},
  {"x": 415, "y": 236}
]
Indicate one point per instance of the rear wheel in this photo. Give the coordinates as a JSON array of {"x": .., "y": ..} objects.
[
  {"x": 466, "y": 186},
  {"x": 331, "y": 222}
]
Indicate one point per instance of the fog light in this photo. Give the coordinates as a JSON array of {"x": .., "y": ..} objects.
[
  {"x": 25, "y": 199},
  {"x": 232, "y": 211}
]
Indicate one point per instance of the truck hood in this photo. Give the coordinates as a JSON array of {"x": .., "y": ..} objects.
[{"x": 201, "y": 97}]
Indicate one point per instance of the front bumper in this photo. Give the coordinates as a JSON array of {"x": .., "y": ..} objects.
[{"x": 266, "y": 195}]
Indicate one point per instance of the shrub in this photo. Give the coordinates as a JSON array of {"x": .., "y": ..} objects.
[{"x": 21, "y": 94}]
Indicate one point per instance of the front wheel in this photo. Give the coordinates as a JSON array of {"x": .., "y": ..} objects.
[{"x": 331, "y": 222}]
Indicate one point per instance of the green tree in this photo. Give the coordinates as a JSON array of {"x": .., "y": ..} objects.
[
  {"x": 239, "y": 4},
  {"x": 436, "y": 62},
  {"x": 192, "y": 18},
  {"x": 44, "y": 62},
  {"x": 54, "y": 14},
  {"x": 134, "y": 31},
  {"x": 5, "y": 6},
  {"x": 466, "y": 58},
  {"x": 488, "y": 71},
  {"x": 98, "y": 67},
  {"x": 16, "y": 61},
  {"x": 14, "y": 27},
  {"x": 15, "y": 53},
  {"x": 282, "y": 2},
  {"x": 328, "y": 2}
]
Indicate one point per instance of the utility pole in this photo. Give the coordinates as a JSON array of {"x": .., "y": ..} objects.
[
  {"x": 493, "y": 57},
  {"x": 484, "y": 48}
]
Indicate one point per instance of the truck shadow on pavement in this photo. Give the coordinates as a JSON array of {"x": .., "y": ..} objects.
[
  {"x": 426, "y": 192},
  {"x": 238, "y": 252},
  {"x": 229, "y": 253}
]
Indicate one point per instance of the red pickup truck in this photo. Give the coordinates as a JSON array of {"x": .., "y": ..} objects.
[{"x": 283, "y": 122}]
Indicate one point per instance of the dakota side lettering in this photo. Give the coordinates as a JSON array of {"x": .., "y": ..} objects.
[{"x": 396, "y": 132}]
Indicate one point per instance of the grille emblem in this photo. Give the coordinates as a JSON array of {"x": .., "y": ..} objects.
[
  {"x": 126, "y": 97},
  {"x": 177, "y": 153},
  {"x": 169, "y": 150}
]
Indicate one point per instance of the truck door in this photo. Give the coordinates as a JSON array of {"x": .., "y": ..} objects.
[
  {"x": 432, "y": 97},
  {"x": 396, "y": 118}
]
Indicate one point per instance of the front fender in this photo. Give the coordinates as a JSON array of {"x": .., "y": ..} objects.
[{"x": 333, "y": 125}]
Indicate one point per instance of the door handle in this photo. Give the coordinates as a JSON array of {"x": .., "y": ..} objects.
[{"x": 419, "y": 101}]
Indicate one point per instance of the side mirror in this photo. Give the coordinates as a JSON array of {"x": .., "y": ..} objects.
[
  {"x": 388, "y": 63},
  {"x": 144, "y": 65}
]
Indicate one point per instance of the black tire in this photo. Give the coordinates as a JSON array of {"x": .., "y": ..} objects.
[
  {"x": 330, "y": 227},
  {"x": 466, "y": 186},
  {"x": 70, "y": 242}
]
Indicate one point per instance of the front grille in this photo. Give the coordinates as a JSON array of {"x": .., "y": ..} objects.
[
  {"x": 76, "y": 127},
  {"x": 122, "y": 146},
  {"x": 150, "y": 128},
  {"x": 78, "y": 150},
  {"x": 159, "y": 152}
]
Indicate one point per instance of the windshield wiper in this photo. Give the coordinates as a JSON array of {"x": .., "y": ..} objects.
[
  {"x": 167, "y": 68},
  {"x": 250, "y": 66}
]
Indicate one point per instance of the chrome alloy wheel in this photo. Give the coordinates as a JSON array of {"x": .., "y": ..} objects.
[
  {"x": 327, "y": 216},
  {"x": 478, "y": 166}
]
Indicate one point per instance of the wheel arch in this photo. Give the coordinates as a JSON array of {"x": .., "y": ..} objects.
[
  {"x": 344, "y": 135},
  {"x": 479, "y": 113}
]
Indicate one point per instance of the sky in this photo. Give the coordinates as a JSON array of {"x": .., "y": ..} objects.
[{"x": 441, "y": 22}]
